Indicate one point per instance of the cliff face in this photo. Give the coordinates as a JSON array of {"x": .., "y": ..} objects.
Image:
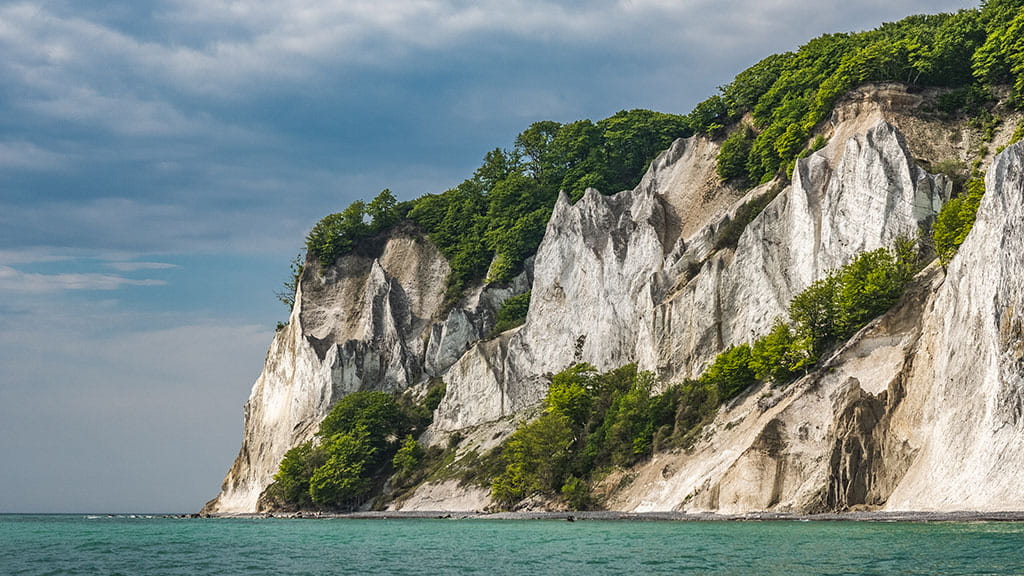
[
  {"x": 964, "y": 411},
  {"x": 609, "y": 289},
  {"x": 372, "y": 321},
  {"x": 924, "y": 401}
]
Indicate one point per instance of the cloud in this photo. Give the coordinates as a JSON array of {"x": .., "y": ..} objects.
[
  {"x": 14, "y": 280},
  {"x": 21, "y": 155},
  {"x": 123, "y": 266}
]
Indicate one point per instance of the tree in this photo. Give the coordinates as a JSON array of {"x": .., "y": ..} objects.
[
  {"x": 535, "y": 146},
  {"x": 287, "y": 296},
  {"x": 383, "y": 211},
  {"x": 343, "y": 480},
  {"x": 512, "y": 312},
  {"x": 536, "y": 459},
  {"x": 814, "y": 312},
  {"x": 780, "y": 354},
  {"x": 730, "y": 374},
  {"x": 336, "y": 234},
  {"x": 408, "y": 456},
  {"x": 291, "y": 482},
  {"x": 732, "y": 157},
  {"x": 374, "y": 412},
  {"x": 955, "y": 220},
  {"x": 571, "y": 393}
]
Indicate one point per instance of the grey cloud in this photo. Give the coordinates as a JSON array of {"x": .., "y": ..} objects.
[{"x": 14, "y": 280}]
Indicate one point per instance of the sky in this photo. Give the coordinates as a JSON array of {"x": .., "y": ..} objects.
[{"x": 162, "y": 161}]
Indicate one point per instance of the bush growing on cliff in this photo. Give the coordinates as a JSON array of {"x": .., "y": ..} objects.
[
  {"x": 590, "y": 421},
  {"x": 732, "y": 158},
  {"x": 955, "y": 220},
  {"x": 781, "y": 354},
  {"x": 355, "y": 448},
  {"x": 835, "y": 307},
  {"x": 512, "y": 313},
  {"x": 731, "y": 373}
]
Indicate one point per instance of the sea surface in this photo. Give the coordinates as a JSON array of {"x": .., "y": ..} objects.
[{"x": 140, "y": 545}]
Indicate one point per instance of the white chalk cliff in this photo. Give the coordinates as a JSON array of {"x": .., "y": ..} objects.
[{"x": 923, "y": 409}]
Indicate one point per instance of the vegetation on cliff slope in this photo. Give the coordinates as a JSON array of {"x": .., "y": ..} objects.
[
  {"x": 594, "y": 422},
  {"x": 956, "y": 219},
  {"x": 491, "y": 223},
  {"x": 366, "y": 437},
  {"x": 788, "y": 95}
]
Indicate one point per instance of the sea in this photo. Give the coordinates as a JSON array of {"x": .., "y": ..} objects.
[{"x": 134, "y": 545}]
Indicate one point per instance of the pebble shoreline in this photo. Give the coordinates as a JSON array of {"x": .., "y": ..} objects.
[{"x": 874, "y": 516}]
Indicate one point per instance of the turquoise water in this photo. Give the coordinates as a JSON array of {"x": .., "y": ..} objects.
[{"x": 142, "y": 546}]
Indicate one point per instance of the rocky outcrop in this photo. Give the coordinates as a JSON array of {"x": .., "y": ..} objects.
[
  {"x": 606, "y": 279},
  {"x": 372, "y": 321},
  {"x": 964, "y": 410},
  {"x": 921, "y": 403},
  {"x": 921, "y": 410}
]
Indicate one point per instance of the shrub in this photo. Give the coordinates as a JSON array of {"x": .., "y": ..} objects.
[
  {"x": 512, "y": 313},
  {"x": 536, "y": 459},
  {"x": 730, "y": 373},
  {"x": 1018, "y": 133},
  {"x": 408, "y": 456},
  {"x": 336, "y": 234},
  {"x": 781, "y": 354},
  {"x": 343, "y": 480},
  {"x": 955, "y": 220},
  {"x": 838, "y": 305},
  {"x": 291, "y": 482},
  {"x": 353, "y": 449},
  {"x": 732, "y": 157}
]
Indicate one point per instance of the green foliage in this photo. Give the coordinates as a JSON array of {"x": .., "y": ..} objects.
[
  {"x": 336, "y": 234},
  {"x": 781, "y": 354},
  {"x": 987, "y": 123},
  {"x": 969, "y": 100},
  {"x": 343, "y": 480},
  {"x": 732, "y": 158},
  {"x": 577, "y": 493},
  {"x": 710, "y": 115},
  {"x": 287, "y": 296},
  {"x": 383, "y": 211},
  {"x": 435, "y": 393},
  {"x": 408, "y": 456},
  {"x": 789, "y": 94},
  {"x": 1018, "y": 133},
  {"x": 417, "y": 415},
  {"x": 490, "y": 224},
  {"x": 955, "y": 220},
  {"x": 870, "y": 284},
  {"x": 512, "y": 312},
  {"x": 1000, "y": 59},
  {"x": 593, "y": 421},
  {"x": 291, "y": 482},
  {"x": 494, "y": 221},
  {"x": 355, "y": 448},
  {"x": 813, "y": 311},
  {"x": 378, "y": 413},
  {"x": 537, "y": 459},
  {"x": 835, "y": 307},
  {"x": 730, "y": 373}
]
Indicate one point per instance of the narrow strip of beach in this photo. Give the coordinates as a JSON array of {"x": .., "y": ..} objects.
[{"x": 604, "y": 515}]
